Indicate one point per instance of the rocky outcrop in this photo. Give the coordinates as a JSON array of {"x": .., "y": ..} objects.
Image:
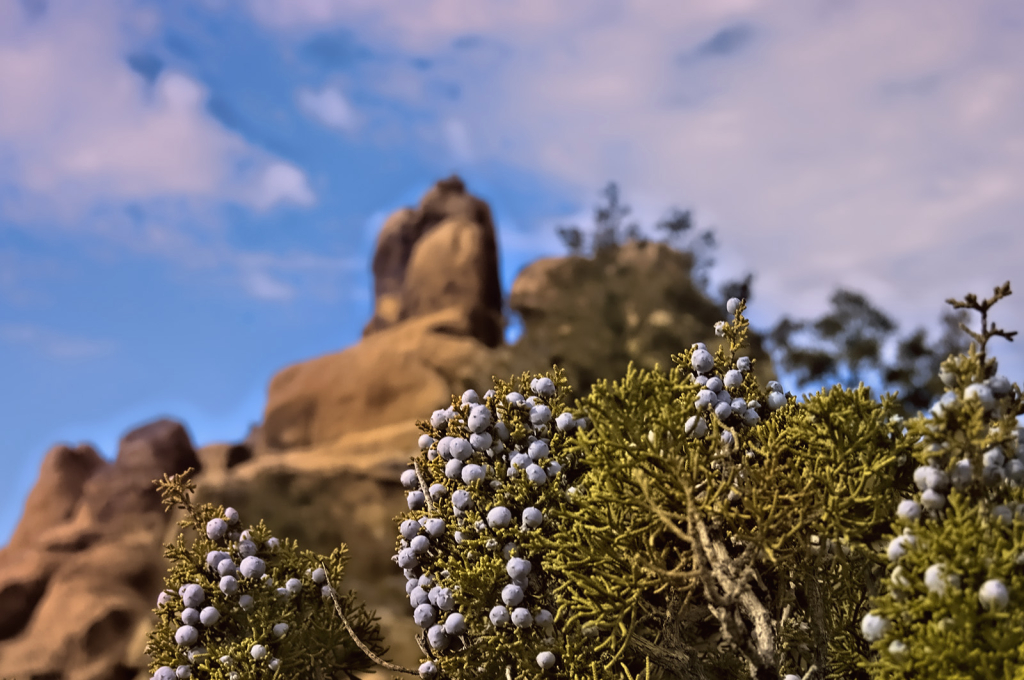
[
  {"x": 86, "y": 562},
  {"x": 440, "y": 255},
  {"x": 593, "y": 315}
]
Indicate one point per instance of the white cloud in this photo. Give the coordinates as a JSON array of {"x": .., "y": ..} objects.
[
  {"x": 330, "y": 107},
  {"x": 878, "y": 146},
  {"x": 284, "y": 183},
  {"x": 54, "y": 344},
  {"x": 78, "y": 127}
]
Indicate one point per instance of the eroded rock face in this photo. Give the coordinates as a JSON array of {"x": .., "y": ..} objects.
[
  {"x": 396, "y": 374},
  {"x": 64, "y": 473},
  {"x": 87, "y": 562},
  {"x": 440, "y": 255}
]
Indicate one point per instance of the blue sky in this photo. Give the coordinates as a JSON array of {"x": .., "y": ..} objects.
[{"x": 190, "y": 192}]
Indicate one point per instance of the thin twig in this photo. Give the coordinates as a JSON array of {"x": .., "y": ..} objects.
[
  {"x": 423, "y": 486},
  {"x": 359, "y": 643}
]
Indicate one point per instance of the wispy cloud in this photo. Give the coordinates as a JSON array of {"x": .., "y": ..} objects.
[
  {"x": 329, "y": 107},
  {"x": 54, "y": 344},
  {"x": 86, "y": 124}
]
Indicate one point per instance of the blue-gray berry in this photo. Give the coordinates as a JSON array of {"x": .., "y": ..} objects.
[
  {"x": 416, "y": 500},
  {"x": 460, "y": 449},
  {"x": 517, "y": 567},
  {"x": 702, "y": 361},
  {"x": 546, "y": 660},
  {"x": 190, "y": 616},
  {"x": 183, "y": 672},
  {"x": 164, "y": 673},
  {"x": 732, "y": 305},
  {"x": 470, "y": 397},
  {"x": 409, "y": 528},
  {"x": 246, "y": 548},
  {"x": 544, "y": 619},
  {"x": 705, "y": 399},
  {"x": 744, "y": 364},
  {"x": 258, "y": 651},
  {"x": 216, "y": 529},
  {"x": 733, "y": 378},
  {"x": 444, "y": 599},
  {"x": 532, "y": 517},
  {"x": 521, "y": 617},
  {"x": 293, "y": 585},
  {"x": 472, "y": 473},
  {"x": 544, "y": 387},
  {"x": 424, "y": 615},
  {"x": 425, "y": 442},
  {"x": 536, "y": 474},
  {"x": 455, "y": 624},
  {"x": 565, "y": 422},
  {"x": 499, "y": 616},
  {"x": 428, "y": 669},
  {"x": 695, "y": 426},
  {"x": 192, "y": 595},
  {"x": 186, "y": 636},
  {"x": 776, "y": 400},
  {"x": 214, "y": 557},
  {"x": 511, "y": 595},
  {"x": 481, "y": 442},
  {"x": 280, "y": 629},
  {"x": 553, "y": 469},
  {"x": 407, "y": 558},
  {"x": 714, "y": 384},
  {"x": 540, "y": 415},
  {"x": 438, "y": 418},
  {"x": 479, "y": 419},
  {"x": 420, "y": 544},
  {"x": 252, "y": 567},
  {"x": 209, "y": 616},
  {"x": 462, "y": 500},
  {"x": 499, "y": 517},
  {"x": 418, "y": 596},
  {"x": 437, "y": 637},
  {"x": 539, "y": 450},
  {"x": 409, "y": 479},
  {"x": 435, "y": 527}
]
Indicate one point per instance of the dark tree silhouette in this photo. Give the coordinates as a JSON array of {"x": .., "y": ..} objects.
[{"x": 846, "y": 345}]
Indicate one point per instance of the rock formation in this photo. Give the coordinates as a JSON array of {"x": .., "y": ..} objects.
[
  {"x": 323, "y": 466},
  {"x": 86, "y": 560}
]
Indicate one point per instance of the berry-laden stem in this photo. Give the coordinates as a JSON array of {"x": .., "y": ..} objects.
[{"x": 359, "y": 643}]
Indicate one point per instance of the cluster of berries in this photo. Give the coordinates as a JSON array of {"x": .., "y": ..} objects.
[
  {"x": 472, "y": 465},
  {"x": 1002, "y": 469},
  {"x": 232, "y": 576},
  {"x": 715, "y": 398}
]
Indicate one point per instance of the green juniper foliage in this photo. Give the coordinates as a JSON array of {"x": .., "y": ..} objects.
[
  {"x": 723, "y": 537},
  {"x": 680, "y": 524},
  {"x": 952, "y": 601},
  {"x": 242, "y": 605}
]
